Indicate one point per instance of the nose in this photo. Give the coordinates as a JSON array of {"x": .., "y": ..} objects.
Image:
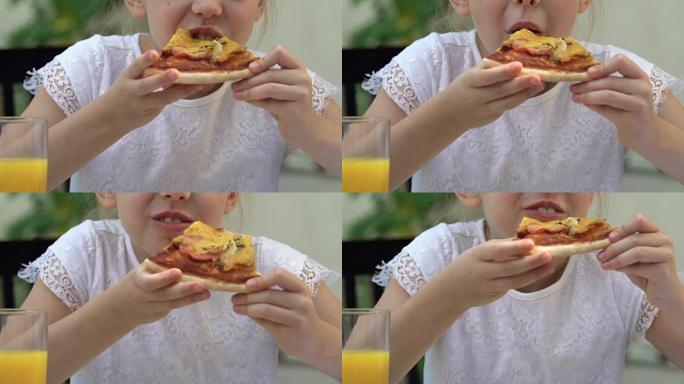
[
  {"x": 527, "y": 2},
  {"x": 175, "y": 196},
  {"x": 207, "y": 8}
]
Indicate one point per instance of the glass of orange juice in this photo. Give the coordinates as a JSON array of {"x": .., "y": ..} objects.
[
  {"x": 23, "y": 154},
  {"x": 365, "y": 346},
  {"x": 23, "y": 346},
  {"x": 365, "y": 154}
]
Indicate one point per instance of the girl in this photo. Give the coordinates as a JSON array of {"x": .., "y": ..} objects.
[
  {"x": 467, "y": 128},
  {"x": 516, "y": 317},
  {"x": 112, "y": 130},
  {"x": 111, "y": 321}
]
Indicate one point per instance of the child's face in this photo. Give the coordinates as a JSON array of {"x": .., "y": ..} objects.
[
  {"x": 233, "y": 18},
  {"x": 153, "y": 219},
  {"x": 505, "y": 210},
  {"x": 495, "y": 20}
]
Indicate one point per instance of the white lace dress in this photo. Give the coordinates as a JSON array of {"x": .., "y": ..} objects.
[
  {"x": 213, "y": 143},
  {"x": 575, "y": 331},
  {"x": 201, "y": 343},
  {"x": 533, "y": 147}
]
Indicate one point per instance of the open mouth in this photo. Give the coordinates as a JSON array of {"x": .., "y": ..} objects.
[
  {"x": 172, "y": 220},
  {"x": 206, "y": 33},
  {"x": 545, "y": 211}
]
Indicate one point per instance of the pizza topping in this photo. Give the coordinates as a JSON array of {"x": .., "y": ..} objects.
[
  {"x": 217, "y": 50},
  {"x": 568, "y": 230},
  {"x": 562, "y": 49}
]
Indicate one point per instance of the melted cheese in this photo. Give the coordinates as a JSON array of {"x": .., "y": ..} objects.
[
  {"x": 571, "y": 225},
  {"x": 204, "y": 239},
  {"x": 217, "y": 50},
  {"x": 559, "y": 48}
]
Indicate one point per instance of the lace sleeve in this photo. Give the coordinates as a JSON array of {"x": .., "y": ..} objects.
[
  {"x": 313, "y": 273},
  {"x": 53, "y": 77},
  {"x": 405, "y": 270},
  {"x": 321, "y": 90},
  {"x": 396, "y": 84},
  {"x": 647, "y": 314},
  {"x": 661, "y": 81},
  {"x": 49, "y": 269}
]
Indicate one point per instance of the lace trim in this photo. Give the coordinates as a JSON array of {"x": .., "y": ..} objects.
[
  {"x": 394, "y": 81},
  {"x": 403, "y": 268},
  {"x": 320, "y": 91},
  {"x": 647, "y": 314},
  {"x": 49, "y": 269},
  {"x": 53, "y": 77},
  {"x": 660, "y": 82},
  {"x": 313, "y": 273}
]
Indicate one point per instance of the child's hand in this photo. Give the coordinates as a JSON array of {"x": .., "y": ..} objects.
[
  {"x": 486, "y": 272},
  {"x": 480, "y": 96},
  {"x": 288, "y": 314},
  {"x": 646, "y": 255},
  {"x": 134, "y": 101},
  {"x": 284, "y": 92},
  {"x": 143, "y": 297},
  {"x": 626, "y": 101}
]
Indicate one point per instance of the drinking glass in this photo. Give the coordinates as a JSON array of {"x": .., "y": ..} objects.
[
  {"x": 365, "y": 346},
  {"x": 23, "y": 346},
  {"x": 365, "y": 154},
  {"x": 23, "y": 154}
]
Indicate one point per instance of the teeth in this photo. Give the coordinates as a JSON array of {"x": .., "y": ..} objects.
[
  {"x": 546, "y": 210},
  {"x": 171, "y": 220}
]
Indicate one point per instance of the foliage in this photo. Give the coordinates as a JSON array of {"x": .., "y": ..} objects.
[
  {"x": 404, "y": 214},
  {"x": 63, "y": 22},
  {"x": 50, "y": 214},
  {"x": 401, "y": 22}
]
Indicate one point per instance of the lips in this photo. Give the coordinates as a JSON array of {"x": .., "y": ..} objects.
[
  {"x": 173, "y": 222},
  {"x": 544, "y": 210},
  {"x": 206, "y": 33},
  {"x": 524, "y": 25}
]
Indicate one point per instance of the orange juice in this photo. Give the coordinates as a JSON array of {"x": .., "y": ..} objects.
[
  {"x": 365, "y": 175},
  {"x": 23, "y": 175},
  {"x": 26, "y": 367},
  {"x": 365, "y": 366}
]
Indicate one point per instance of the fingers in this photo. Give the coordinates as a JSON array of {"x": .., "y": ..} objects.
[
  {"x": 279, "y": 277},
  {"x": 490, "y": 76},
  {"x": 282, "y": 299},
  {"x": 619, "y": 63},
  {"x": 270, "y": 313},
  {"x": 636, "y": 255},
  {"x": 173, "y": 93},
  {"x": 281, "y": 76},
  {"x": 149, "y": 282},
  {"x": 187, "y": 300},
  {"x": 524, "y": 279},
  {"x": 273, "y": 91},
  {"x": 652, "y": 240},
  {"x": 136, "y": 69},
  {"x": 152, "y": 83},
  {"x": 638, "y": 223},
  {"x": 177, "y": 291},
  {"x": 512, "y": 101},
  {"x": 611, "y": 98},
  {"x": 518, "y": 266},
  {"x": 277, "y": 56},
  {"x": 619, "y": 84},
  {"x": 504, "y": 250}
]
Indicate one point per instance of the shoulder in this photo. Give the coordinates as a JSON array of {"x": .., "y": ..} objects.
[
  {"x": 272, "y": 254},
  {"x": 445, "y": 241},
  {"x": 88, "y": 237},
  {"x": 435, "y": 46},
  {"x": 605, "y": 52},
  {"x": 101, "y": 45}
]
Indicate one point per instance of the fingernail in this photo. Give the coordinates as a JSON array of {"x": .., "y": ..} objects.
[
  {"x": 601, "y": 256},
  {"x": 607, "y": 265},
  {"x": 197, "y": 288},
  {"x": 238, "y": 95},
  {"x": 252, "y": 283},
  {"x": 613, "y": 235},
  {"x": 255, "y": 64},
  {"x": 238, "y": 308}
]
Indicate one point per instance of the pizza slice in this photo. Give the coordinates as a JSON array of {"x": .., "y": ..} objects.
[
  {"x": 220, "y": 259},
  {"x": 566, "y": 237},
  {"x": 203, "y": 56},
  {"x": 554, "y": 59}
]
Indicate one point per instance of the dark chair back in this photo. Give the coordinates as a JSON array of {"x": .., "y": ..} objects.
[
  {"x": 15, "y": 63},
  {"x": 356, "y": 64},
  {"x": 359, "y": 258},
  {"x": 13, "y": 254}
]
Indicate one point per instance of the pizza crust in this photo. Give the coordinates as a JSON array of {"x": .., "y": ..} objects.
[
  {"x": 209, "y": 282},
  {"x": 210, "y": 77},
  {"x": 567, "y": 250},
  {"x": 546, "y": 75}
]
